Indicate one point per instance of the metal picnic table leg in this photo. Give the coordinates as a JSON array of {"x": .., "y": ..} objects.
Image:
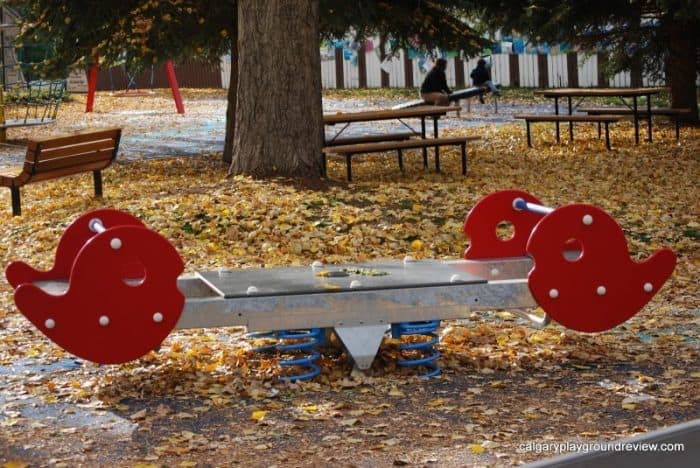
[
  {"x": 527, "y": 128},
  {"x": 571, "y": 122},
  {"x": 422, "y": 135},
  {"x": 437, "y": 148},
  {"x": 556, "y": 112},
  {"x": 636, "y": 119},
  {"x": 649, "y": 115}
]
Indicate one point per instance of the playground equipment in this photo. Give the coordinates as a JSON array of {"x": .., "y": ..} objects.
[
  {"x": 32, "y": 103},
  {"x": 169, "y": 72},
  {"x": 114, "y": 292},
  {"x": 24, "y": 101},
  {"x": 453, "y": 97}
]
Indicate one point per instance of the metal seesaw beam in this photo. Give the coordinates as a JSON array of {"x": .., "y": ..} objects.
[{"x": 358, "y": 302}]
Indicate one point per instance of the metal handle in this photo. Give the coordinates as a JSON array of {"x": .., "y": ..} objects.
[
  {"x": 520, "y": 204},
  {"x": 95, "y": 225},
  {"x": 539, "y": 322}
]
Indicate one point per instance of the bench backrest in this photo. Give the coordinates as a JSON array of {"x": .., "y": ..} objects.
[{"x": 49, "y": 158}]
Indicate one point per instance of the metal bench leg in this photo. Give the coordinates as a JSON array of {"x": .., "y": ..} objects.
[
  {"x": 464, "y": 159},
  {"x": 571, "y": 130},
  {"x": 527, "y": 128},
  {"x": 97, "y": 178},
  {"x": 422, "y": 135},
  {"x": 16, "y": 206},
  {"x": 607, "y": 135},
  {"x": 348, "y": 157},
  {"x": 437, "y": 148},
  {"x": 599, "y": 130},
  {"x": 400, "y": 159},
  {"x": 437, "y": 159}
]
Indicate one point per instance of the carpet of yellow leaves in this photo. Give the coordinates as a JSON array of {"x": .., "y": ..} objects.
[{"x": 204, "y": 398}]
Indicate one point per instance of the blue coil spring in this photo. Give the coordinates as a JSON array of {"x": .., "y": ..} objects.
[
  {"x": 425, "y": 348},
  {"x": 303, "y": 342}
]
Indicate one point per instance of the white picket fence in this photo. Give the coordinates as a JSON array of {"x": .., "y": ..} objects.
[{"x": 528, "y": 71}]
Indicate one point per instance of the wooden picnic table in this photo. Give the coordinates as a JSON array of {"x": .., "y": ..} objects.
[
  {"x": 420, "y": 112},
  {"x": 622, "y": 93}
]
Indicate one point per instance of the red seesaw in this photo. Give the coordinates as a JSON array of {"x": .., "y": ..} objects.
[{"x": 114, "y": 293}]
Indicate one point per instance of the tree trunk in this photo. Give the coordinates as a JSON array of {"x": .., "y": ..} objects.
[
  {"x": 682, "y": 68},
  {"x": 279, "y": 120},
  {"x": 232, "y": 93}
]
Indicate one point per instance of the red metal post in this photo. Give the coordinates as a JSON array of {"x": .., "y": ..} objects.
[
  {"x": 172, "y": 81},
  {"x": 92, "y": 84}
]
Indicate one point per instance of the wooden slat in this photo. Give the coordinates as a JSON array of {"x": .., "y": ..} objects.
[
  {"x": 388, "y": 114},
  {"x": 14, "y": 181},
  {"x": 73, "y": 160},
  {"x": 65, "y": 140},
  {"x": 370, "y": 138},
  {"x": 628, "y": 111},
  {"x": 582, "y": 92},
  {"x": 70, "y": 150},
  {"x": 567, "y": 118},
  {"x": 395, "y": 145},
  {"x": 66, "y": 171}
]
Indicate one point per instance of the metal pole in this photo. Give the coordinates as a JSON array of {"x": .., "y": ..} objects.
[{"x": 520, "y": 204}]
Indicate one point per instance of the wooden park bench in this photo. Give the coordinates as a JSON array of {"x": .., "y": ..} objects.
[
  {"x": 672, "y": 113},
  {"x": 51, "y": 158},
  {"x": 604, "y": 119},
  {"x": 352, "y": 140},
  {"x": 380, "y": 147}
]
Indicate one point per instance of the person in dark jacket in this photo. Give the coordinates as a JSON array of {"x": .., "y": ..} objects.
[
  {"x": 481, "y": 77},
  {"x": 434, "y": 88}
]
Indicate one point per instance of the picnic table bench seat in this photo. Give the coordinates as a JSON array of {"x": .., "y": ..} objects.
[
  {"x": 642, "y": 112},
  {"x": 372, "y": 138},
  {"x": 379, "y": 147},
  {"x": 60, "y": 156},
  {"x": 604, "y": 119}
]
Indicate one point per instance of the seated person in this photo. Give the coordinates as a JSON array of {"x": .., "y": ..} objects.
[
  {"x": 481, "y": 77},
  {"x": 434, "y": 89}
]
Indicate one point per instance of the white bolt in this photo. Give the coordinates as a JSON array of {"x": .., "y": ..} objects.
[
  {"x": 104, "y": 320},
  {"x": 316, "y": 264},
  {"x": 601, "y": 290},
  {"x": 408, "y": 259},
  {"x": 157, "y": 317},
  {"x": 355, "y": 284},
  {"x": 116, "y": 243},
  {"x": 50, "y": 323},
  {"x": 495, "y": 272},
  {"x": 553, "y": 293},
  {"x": 455, "y": 278},
  {"x": 587, "y": 220},
  {"x": 251, "y": 290},
  {"x": 648, "y": 287}
]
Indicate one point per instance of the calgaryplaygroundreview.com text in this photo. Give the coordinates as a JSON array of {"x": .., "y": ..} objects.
[{"x": 571, "y": 447}]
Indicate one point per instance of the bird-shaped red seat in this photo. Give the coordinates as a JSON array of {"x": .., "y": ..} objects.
[
  {"x": 603, "y": 286},
  {"x": 106, "y": 315}
]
